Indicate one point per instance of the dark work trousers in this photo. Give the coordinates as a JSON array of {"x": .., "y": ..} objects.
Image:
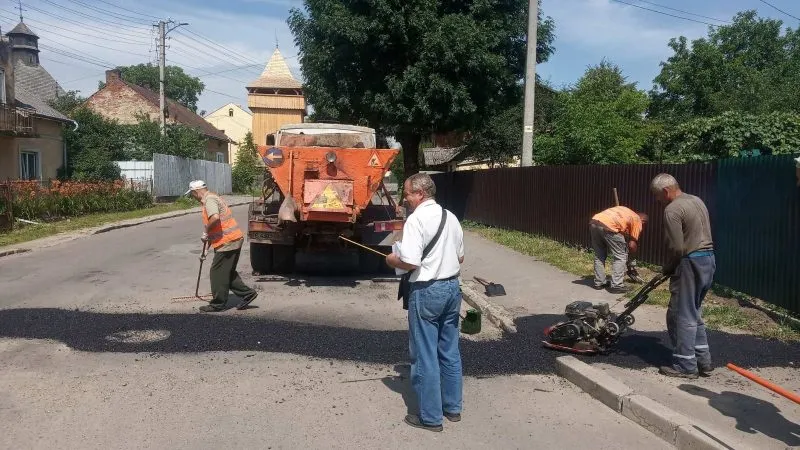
[
  {"x": 687, "y": 331},
  {"x": 224, "y": 278}
]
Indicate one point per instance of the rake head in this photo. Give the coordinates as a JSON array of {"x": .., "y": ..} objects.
[{"x": 193, "y": 298}]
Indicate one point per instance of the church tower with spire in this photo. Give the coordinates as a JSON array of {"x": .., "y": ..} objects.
[{"x": 276, "y": 98}]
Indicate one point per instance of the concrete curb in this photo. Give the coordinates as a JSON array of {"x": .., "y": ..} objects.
[
  {"x": 673, "y": 427},
  {"x": 496, "y": 314},
  {"x": 73, "y": 235}
]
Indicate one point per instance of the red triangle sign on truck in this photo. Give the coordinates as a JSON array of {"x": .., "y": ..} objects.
[{"x": 374, "y": 161}]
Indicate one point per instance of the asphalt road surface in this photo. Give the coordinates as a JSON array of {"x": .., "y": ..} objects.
[{"x": 94, "y": 354}]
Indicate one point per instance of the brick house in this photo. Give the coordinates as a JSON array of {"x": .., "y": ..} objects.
[
  {"x": 123, "y": 101},
  {"x": 31, "y": 132}
]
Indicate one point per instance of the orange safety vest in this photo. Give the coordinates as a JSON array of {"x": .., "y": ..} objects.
[{"x": 224, "y": 231}]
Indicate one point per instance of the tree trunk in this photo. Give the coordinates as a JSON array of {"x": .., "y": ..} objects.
[{"x": 410, "y": 143}]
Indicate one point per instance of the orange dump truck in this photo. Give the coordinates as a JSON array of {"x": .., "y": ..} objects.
[{"x": 327, "y": 181}]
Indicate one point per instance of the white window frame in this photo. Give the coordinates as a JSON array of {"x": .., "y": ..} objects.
[
  {"x": 38, "y": 164},
  {"x": 220, "y": 157}
]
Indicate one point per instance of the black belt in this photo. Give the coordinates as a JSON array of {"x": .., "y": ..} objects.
[{"x": 454, "y": 277}]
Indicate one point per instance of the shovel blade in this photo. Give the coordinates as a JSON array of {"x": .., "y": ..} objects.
[{"x": 495, "y": 290}]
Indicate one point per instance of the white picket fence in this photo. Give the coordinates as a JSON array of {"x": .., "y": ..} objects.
[{"x": 170, "y": 175}]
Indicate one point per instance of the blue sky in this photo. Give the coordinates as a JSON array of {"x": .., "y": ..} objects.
[{"x": 80, "y": 38}]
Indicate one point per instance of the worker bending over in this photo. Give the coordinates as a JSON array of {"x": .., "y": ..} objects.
[{"x": 614, "y": 231}]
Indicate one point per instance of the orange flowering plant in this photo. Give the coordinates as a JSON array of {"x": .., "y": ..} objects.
[{"x": 54, "y": 200}]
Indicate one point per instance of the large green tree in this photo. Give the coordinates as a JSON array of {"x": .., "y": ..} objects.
[
  {"x": 145, "y": 138},
  {"x": 93, "y": 147},
  {"x": 178, "y": 85},
  {"x": 413, "y": 67},
  {"x": 750, "y": 66},
  {"x": 600, "y": 120}
]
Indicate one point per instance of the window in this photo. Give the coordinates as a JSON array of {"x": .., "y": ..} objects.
[
  {"x": 270, "y": 139},
  {"x": 230, "y": 112},
  {"x": 220, "y": 157},
  {"x": 29, "y": 168}
]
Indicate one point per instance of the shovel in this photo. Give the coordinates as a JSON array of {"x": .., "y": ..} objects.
[
  {"x": 196, "y": 295},
  {"x": 492, "y": 289}
]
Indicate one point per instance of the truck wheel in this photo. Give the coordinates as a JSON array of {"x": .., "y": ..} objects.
[
  {"x": 283, "y": 259},
  {"x": 261, "y": 258},
  {"x": 384, "y": 268},
  {"x": 369, "y": 262}
]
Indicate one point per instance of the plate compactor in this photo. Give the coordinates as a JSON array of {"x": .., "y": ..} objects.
[{"x": 591, "y": 329}]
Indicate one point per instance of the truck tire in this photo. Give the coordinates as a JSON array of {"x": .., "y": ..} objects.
[
  {"x": 383, "y": 268},
  {"x": 368, "y": 262},
  {"x": 261, "y": 258},
  {"x": 283, "y": 259}
]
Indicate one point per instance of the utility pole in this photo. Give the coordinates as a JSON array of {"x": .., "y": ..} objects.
[
  {"x": 162, "y": 61},
  {"x": 530, "y": 84}
]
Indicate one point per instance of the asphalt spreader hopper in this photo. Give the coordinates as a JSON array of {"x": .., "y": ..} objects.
[{"x": 594, "y": 328}]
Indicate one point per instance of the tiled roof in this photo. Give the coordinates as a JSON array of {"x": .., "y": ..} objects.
[
  {"x": 276, "y": 75},
  {"x": 35, "y": 79},
  {"x": 21, "y": 28},
  {"x": 180, "y": 113},
  {"x": 440, "y": 155},
  {"x": 30, "y": 100}
]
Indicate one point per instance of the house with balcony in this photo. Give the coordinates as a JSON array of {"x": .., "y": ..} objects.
[{"x": 31, "y": 132}]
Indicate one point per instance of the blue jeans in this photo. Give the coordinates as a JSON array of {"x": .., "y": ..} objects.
[{"x": 433, "y": 309}]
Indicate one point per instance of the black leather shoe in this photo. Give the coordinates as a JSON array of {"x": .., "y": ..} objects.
[
  {"x": 415, "y": 422},
  {"x": 210, "y": 308},
  {"x": 453, "y": 417},
  {"x": 247, "y": 300}
]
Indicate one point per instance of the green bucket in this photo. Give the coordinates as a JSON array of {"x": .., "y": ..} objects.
[{"x": 471, "y": 324}]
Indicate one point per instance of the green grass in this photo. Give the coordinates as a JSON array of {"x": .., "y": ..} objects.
[
  {"x": 725, "y": 316},
  {"x": 27, "y": 233},
  {"x": 720, "y": 310}
]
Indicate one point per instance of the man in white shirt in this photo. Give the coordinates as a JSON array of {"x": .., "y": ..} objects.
[{"x": 434, "y": 302}]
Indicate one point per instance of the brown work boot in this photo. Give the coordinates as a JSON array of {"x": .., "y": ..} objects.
[{"x": 672, "y": 372}]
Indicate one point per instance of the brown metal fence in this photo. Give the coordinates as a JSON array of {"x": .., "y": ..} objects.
[
  {"x": 559, "y": 201},
  {"x": 754, "y": 205}
]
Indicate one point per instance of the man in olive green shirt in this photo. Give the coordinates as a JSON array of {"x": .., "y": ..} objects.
[{"x": 691, "y": 265}]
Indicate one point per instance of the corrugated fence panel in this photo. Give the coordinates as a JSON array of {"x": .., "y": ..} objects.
[
  {"x": 757, "y": 229},
  {"x": 558, "y": 201},
  {"x": 172, "y": 174},
  {"x": 754, "y": 205}
]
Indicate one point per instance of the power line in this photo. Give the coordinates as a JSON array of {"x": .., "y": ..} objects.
[
  {"x": 778, "y": 9},
  {"x": 113, "y": 14},
  {"x": 134, "y": 33},
  {"x": 664, "y": 13},
  {"x": 684, "y": 12},
  {"x": 49, "y": 25},
  {"x": 246, "y": 58},
  {"x": 69, "y": 54},
  {"x": 88, "y": 16},
  {"x": 129, "y": 10}
]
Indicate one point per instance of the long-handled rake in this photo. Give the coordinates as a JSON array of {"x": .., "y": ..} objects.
[{"x": 196, "y": 296}]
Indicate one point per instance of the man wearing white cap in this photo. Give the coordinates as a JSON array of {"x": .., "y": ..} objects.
[{"x": 223, "y": 234}]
